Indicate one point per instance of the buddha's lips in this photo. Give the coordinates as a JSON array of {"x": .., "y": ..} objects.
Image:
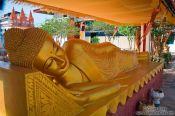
[{"x": 64, "y": 65}]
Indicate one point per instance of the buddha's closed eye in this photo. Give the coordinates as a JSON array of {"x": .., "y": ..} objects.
[{"x": 48, "y": 63}]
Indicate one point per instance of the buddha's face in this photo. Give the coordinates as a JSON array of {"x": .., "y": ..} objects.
[{"x": 51, "y": 59}]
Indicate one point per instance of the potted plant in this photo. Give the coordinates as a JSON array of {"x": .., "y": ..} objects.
[{"x": 156, "y": 95}]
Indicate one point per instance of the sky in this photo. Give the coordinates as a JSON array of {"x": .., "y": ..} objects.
[{"x": 38, "y": 18}]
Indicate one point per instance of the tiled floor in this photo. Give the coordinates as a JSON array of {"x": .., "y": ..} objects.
[{"x": 168, "y": 87}]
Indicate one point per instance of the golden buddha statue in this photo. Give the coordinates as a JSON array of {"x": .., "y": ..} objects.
[
  {"x": 78, "y": 61},
  {"x": 34, "y": 48},
  {"x": 87, "y": 76}
]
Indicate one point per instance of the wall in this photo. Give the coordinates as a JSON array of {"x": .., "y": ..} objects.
[{"x": 172, "y": 48}]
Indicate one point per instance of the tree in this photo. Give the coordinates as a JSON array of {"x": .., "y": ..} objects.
[
  {"x": 128, "y": 31},
  {"x": 108, "y": 29},
  {"x": 158, "y": 31},
  {"x": 160, "y": 34},
  {"x": 60, "y": 27}
]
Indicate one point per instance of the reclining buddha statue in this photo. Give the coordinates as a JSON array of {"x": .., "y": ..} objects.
[{"x": 86, "y": 71}]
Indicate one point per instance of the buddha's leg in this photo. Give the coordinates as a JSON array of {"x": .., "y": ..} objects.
[
  {"x": 90, "y": 85},
  {"x": 94, "y": 94}
]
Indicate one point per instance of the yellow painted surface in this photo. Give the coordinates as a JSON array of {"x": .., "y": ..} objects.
[
  {"x": 2, "y": 104},
  {"x": 104, "y": 78}
]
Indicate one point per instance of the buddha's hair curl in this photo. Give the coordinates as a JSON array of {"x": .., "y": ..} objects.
[{"x": 24, "y": 45}]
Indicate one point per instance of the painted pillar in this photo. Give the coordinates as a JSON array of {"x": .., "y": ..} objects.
[
  {"x": 137, "y": 39},
  {"x": 145, "y": 44},
  {"x": 148, "y": 42},
  {"x": 142, "y": 32},
  {"x": 82, "y": 30}
]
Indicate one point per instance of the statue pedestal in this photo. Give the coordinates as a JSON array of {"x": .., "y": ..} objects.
[
  {"x": 129, "y": 109},
  {"x": 31, "y": 93},
  {"x": 13, "y": 90}
]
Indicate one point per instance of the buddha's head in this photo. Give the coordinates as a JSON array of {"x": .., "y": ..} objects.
[{"x": 35, "y": 48}]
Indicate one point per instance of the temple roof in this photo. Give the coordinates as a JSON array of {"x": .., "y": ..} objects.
[
  {"x": 30, "y": 18},
  {"x": 22, "y": 16},
  {"x": 16, "y": 19},
  {"x": 13, "y": 15}
]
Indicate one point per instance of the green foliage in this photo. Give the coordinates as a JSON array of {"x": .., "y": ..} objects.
[
  {"x": 128, "y": 31},
  {"x": 167, "y": 57},
  {"x": 160, "y": 28},
  {"x": 108, "y": 29},
  {"x": 95, "y": 40},
  {"x": 101, "y": 26},
  {"x": 158, "y": 31},
  {"x": 59, "y": 27}
]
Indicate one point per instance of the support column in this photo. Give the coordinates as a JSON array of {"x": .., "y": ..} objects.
[
  {"x": 142, "y": 42},
  {"x": 138, "y": 39},
  {"x": 145, "y": 44},
  {"x": 82, "y": 30},
  {"x": 148, "y": 41}
]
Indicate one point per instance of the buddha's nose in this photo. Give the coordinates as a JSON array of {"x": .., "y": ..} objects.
[{"x": 59, "y": 53}]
